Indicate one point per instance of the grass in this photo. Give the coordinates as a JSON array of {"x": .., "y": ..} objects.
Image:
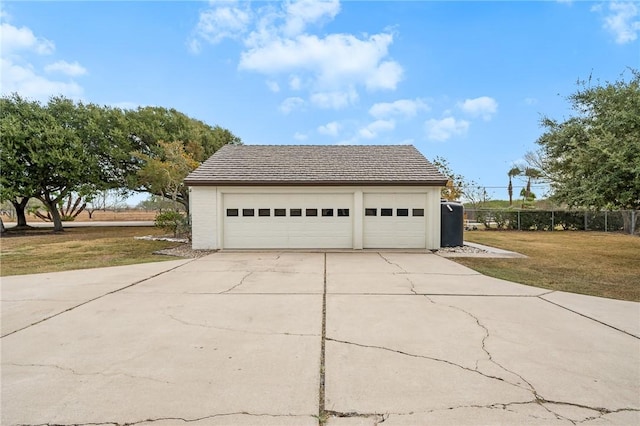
[
  {"x": 593, "y": 263},
  {"x": 41, "y": 250}
]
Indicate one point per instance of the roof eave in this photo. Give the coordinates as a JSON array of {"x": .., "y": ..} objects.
[{"x": 314, "y": 183}]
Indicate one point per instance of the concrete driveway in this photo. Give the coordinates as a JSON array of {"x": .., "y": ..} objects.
[{"x": 306, "y": 338}]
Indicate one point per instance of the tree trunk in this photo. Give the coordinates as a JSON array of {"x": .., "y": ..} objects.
[
  {"x": 57, "y": 219},
  {"x": 20, "y": 207},
  {"x": 52, "y": 206},
  {"x": 510, "y": 189}
]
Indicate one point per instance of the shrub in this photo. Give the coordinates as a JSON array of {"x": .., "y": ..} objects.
[{"x": 172, "y": 221}]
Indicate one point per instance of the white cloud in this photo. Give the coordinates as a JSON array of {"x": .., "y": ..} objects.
[
  {"x": 386, "y": 76},
  {"x": 441, "y": 130},
  {"x": 403, "y": 107},
  {"x": 303, "y": 12},
  {"x": 18, "y": 74},
  {"x": 26, "y": 82},
  {"x": 623, "y": 21},
  {"x": 300, "y": 136},
  {"x": 335, "y": 99},
  {"x": 278, "y": 41},
  {"x": 483, "y": 106},
  {"x": 335, "y": 60},
  {"x": 330, "y": 129},
  {"x": 71, "y": 69},
  {"x": 224, "y": 19},
  {"x": 13, "y": 39},
  {"x": 273, "y": 86},
  {"x": 373, "y": 129},
  {"x": 294, "y": 82},
  {"x": 530, "y": 101},
  {"x": 290, "y": 104}
]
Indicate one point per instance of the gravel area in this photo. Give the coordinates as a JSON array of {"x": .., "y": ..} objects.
[
  {"x": 462, "y": 249},
  {"x": 184, "y": 250}
]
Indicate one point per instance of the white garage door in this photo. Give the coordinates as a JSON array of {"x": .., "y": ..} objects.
[
  {"x": 394, "y": 221},
  {"x": 288, "y": 221}
]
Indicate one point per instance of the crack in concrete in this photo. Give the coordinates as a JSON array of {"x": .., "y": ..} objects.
[
  {"x": 489, "y": 376},
  {"x": 77, "y": 373},
  {"x": 96, "y": 298},
  {"x": 540, "y": 402},
  {"x": 538, "y": 398},
  {"x": 484, "y": 346},
  {"x": 161, "y": 419},
  {"x": 393, "y": 263},
  {"x": 237, "y": 285},
  {"x": 239, "y": 330}
]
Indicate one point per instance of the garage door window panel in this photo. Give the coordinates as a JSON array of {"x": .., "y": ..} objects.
[
  {"x": 327, "y": 212},
  {"x": 371, "y": 212},
  {"x": 264, "y": 212},
  {"x": 248, "y": 212},
  {"x": 402, "y": 212},
  {"x": 295, "y": 212},
  {"x": 386, "y": 212},
  {"x": 232, "y": 212},
  {"x": 343, "y": 212},
  {"x": 311, "y": 212},
  {"x": 279, "y": 212},
  {"x": 418, "y": 212}
]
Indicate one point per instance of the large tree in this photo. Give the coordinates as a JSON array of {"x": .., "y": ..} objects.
[
  {"x": 592, "y": 159},
  {"x": 21, "y": 121},
  {"x": 52, "y": 151},
  {"x": 169, "y": 146}
]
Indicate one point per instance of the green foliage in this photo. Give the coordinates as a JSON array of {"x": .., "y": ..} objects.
[
  {"x": 51, "y": 151},
  {"x": 172, "y": 221},
  {"x": 169, "y": 145},
  {"x": 593, "y": 158},
  {"x": 163, "y": 174},
  {"x": 454, "y": 187}
]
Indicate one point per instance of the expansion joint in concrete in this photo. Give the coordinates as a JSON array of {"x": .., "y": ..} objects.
[
  {"x": 322, "y": 415},
  {"x": 96, "y": 298},
  {"x": 587, "y": 316}
]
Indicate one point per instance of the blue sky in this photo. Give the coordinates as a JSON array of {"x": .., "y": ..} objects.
[{"x": 467, "y": 81}]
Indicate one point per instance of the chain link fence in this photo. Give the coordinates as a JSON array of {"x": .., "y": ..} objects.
[{"x": 549, "y": 220}]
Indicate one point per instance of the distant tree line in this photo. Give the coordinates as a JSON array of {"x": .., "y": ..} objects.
[{"x": 66, "y": 153}]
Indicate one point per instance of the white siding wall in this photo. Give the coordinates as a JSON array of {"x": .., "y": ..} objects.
[
  {"x": 207, "y": 209},
  {"x": 432, "y": 211},
  {"x": 204, "y": 212}
]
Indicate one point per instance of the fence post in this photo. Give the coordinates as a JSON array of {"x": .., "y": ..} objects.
[
  {"x": 553, "y": 220},
  {"x": 605, "y": 221},
  {"x": 585, "y": 221},
  {"x": 519, "y": 221}
]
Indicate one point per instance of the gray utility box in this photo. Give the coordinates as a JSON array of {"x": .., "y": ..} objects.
[{"x": 451, "y": 224}]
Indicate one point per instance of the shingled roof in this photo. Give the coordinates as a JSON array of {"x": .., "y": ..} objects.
[{"x": 316, "y": 165}]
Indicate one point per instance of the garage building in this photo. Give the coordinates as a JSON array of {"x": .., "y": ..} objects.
[{"x": 315, "y": 197}]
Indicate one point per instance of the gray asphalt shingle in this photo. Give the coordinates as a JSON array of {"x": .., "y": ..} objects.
[{"x": 316, "y": 165}]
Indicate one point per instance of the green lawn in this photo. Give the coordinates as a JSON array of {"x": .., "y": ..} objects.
[
  {"x": 41, "y": 250},
  {"x": 594, "y": 263}
]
